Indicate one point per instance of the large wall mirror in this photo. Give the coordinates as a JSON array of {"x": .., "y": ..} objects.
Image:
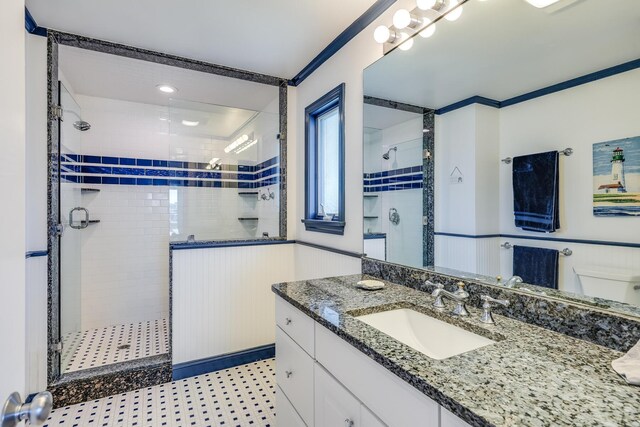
[{"x": 508, "y": 144}]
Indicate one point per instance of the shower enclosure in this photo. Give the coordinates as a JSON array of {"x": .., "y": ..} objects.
[{"x": 133, "y": 169}]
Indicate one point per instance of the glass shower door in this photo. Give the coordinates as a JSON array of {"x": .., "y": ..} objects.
[{"x": 73, "y": 218}]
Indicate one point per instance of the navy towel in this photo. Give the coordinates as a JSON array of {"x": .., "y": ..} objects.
[
  {"x": 535, "y": 192},
  {"x": 537, "y": 266}
]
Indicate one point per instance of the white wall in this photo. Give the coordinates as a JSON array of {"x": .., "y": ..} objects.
[
  {"x": 222, "y": 298},
  {"x": 600, "y": 111},
  {"x": 346, "y": 66},
  {"x": 36, "y": 213},
  {"x": 477, "y": 137},
  {"x": 12, "y": 219}
]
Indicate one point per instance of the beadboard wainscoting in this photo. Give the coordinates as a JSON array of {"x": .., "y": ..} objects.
[
  {"x": 221, "y": 296},
  {"x": 479, "y": 255},
  {"x": 36, "y": 325}
]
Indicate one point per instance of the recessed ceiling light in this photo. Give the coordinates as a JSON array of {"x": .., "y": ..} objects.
[
  {"x": 541, "y": 3},
  {"x": 166, "y": 88},
  {"x": 190, "y": 123}
]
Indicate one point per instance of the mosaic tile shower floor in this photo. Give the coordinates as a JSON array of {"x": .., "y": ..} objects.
[
  {"x": 235, "y": 397},
  {"x": 113, "y": 344}
]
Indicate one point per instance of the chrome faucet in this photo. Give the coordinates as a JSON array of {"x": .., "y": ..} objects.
[
  {"x": 513, "y": 281},
  {"x": 487, "y": 305},
  {"x": 460, "y": 296}
]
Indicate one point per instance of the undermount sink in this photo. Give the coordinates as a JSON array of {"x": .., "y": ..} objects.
[{"x": 432, "y": 337}]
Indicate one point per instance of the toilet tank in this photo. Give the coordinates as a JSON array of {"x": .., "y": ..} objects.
[{"x": 618, "y": 285}]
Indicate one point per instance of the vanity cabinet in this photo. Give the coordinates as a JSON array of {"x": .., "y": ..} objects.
[{"x": 323, "y": 381}]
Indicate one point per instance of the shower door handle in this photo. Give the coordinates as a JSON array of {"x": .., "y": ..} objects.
[{"x": 83, "y": 224}]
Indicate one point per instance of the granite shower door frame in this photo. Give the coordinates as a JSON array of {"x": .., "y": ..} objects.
[
  {"x": 428, "y": 169},
  {"x": 99, "y": 382}
]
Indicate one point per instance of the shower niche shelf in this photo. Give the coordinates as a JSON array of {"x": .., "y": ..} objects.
[
  {"x": 366, "y": 196},
  {"x": 370, "y": 217},
  {"x": 89, "y": 190},
  {"x": 248, "y": 193},
  {"x": 247, "y": 219}
]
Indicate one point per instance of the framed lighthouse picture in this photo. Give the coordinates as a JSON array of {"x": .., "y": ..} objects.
[{"x": 616, "y": 177}]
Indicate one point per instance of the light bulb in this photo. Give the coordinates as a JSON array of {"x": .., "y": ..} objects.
[
  {"x": 541, "y": 3},
  {"x": 454, "y": 14},
  {"x": 401, "y": 19},
  {"x": 166, "y": 88},
  {"x": 426, "y": 4},
  {"x": 382, "y": 34},
  {"x": 428, "y": 31},
  {"x": 406, "y": 44}
]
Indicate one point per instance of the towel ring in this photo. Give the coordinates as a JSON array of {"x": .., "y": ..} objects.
[
  {"x": 565, "y": 152},
  {"x": 564, "y": 252}
]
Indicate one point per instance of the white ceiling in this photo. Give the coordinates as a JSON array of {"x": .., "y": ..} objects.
[
  {"x": 221, "y": 105},
  {"x": 116, "y": 77},
  {"x": 382, "y": 118},
  {"x": 275, "y": 37},
  {"x": 504, "y": 48}
]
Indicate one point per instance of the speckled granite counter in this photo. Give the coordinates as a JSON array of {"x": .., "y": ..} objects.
[{"x": 530, "y": 377}]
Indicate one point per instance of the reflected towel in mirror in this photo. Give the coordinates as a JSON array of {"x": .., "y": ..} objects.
[
  {"x": 535, "y": 192},
  {"x": 536, "y": 266}
]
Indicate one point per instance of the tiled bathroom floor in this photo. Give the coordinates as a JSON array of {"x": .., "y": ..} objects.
[
  {"x": 99, "y": 347},
  {"x": 236, "y": 397}
]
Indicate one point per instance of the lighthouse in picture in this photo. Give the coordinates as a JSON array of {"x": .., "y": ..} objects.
[
  {"x": 617, "y": 169},
  {"x": 617, "y": 173}
]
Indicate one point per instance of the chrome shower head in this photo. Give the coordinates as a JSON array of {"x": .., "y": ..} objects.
[
  {"x": 386, "y": 155},
  {"x": 81, "y": 125}
]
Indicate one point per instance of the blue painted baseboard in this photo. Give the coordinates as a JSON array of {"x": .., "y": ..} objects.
[{"x": 225, "y": 361}]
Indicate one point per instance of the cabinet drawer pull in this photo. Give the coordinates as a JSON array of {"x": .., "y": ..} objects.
[
  {"x": 348, "y": 422},
  {"x": 287, "y": 321},
  {"x": 288, "y": 373}
]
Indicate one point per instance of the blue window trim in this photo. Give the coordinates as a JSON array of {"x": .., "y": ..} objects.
[{"x": 312, "y": 220}]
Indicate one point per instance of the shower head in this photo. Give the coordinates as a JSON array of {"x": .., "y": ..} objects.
[
  {"x": 81, "y": 125},
  {"x": 386, "y": 155}
]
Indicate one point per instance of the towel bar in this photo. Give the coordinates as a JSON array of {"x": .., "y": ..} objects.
[
  {"x": 565, "y": 251},
  {"x": 565, "y": 152}
]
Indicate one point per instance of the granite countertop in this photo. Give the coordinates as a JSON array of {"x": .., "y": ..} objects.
[{"x": 530, "y": 377}]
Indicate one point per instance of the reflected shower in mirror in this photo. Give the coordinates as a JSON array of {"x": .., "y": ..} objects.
[{"x": 536, "y": 150}]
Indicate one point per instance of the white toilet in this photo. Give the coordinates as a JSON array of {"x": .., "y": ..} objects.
[{"x": 617, "y": 285}]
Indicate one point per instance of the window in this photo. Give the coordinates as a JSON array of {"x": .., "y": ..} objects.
[{"x": 324, "y": 172}]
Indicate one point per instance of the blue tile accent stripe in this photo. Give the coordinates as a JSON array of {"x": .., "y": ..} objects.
[
  {"x": 393, "y": 180},
  {"x": 90, "y": 169}
]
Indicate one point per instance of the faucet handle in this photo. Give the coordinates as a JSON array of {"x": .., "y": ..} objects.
[
  {"x": 437, "y": 303},
  {"x": 460, "y": 291},
  {"x": 487, "y": 305},
  {"x": 488, "y": 300}
]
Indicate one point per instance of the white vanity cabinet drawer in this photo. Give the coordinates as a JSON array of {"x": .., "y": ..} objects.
[
  {"x": 447, "y": 419},
  {"x": 394, "y": 401},
  {"x": 286, "y": 415},
  {"x": 296, "y": 324},
  {"x": 336, "y": 407},
  {"x": 294, "y": 375}
]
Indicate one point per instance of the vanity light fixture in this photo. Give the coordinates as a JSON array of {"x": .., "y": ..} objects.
[
  {"x": 407, "y": 43},
  {"x": 383, "y": 34},
  {"x": 237, "y": 143},
  {"x": 190, "y": 123},
  {"x": 541, "y": 3},
  {"x": 455, "y": 11},
  {"x": 246, "y": 145},
  {"x": 403, "y": 19},
  {"x": 166, "y": 88},
  {"x": 421, "y": 20}
]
